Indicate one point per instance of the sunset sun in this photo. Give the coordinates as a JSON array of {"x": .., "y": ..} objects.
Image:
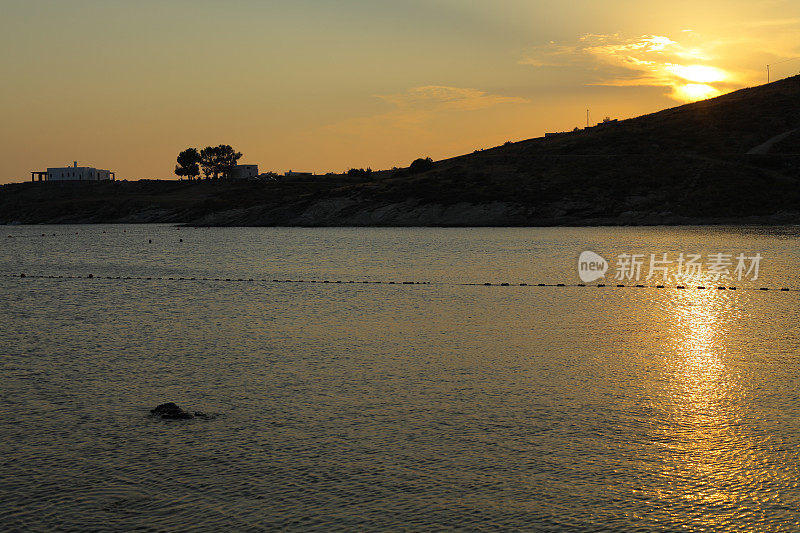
[
  {"x": 698, "y": 73},
  {"x": 691, "y": 92},
  {"x": 695, "y": 82}
]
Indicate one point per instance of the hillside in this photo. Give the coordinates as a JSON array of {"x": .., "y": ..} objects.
[{"x": 688, "y": 164}]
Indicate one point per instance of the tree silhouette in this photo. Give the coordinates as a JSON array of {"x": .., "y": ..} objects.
[
  {"x": 219, "y": 160},
  {"x": 360, "y": 173},
  {"x": 188, "y": 163},
  {"x": 421, "y": 165}
]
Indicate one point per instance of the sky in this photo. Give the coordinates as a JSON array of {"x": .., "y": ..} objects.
[{"x": 327, "y": 85}]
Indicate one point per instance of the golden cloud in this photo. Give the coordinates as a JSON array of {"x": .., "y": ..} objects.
[{"x": 691, "y": 66}]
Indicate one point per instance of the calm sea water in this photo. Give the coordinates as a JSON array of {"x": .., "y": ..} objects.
[{"x": 394, "y": 407}]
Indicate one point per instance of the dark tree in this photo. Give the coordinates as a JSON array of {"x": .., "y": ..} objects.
[
  {"x": 227, "y": 158},
  {"x": 421, "y": 165},
  {"x": 188, "y": 163},
  {"x": 219, "y": 160},
  {"x": 360, "y": 173}
]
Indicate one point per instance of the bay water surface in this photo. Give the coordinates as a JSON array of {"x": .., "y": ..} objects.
[{"x": 434, "y": 402}]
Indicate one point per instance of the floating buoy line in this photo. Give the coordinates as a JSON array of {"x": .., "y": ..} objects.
[
  {"x": 384, "y": 282},
  {"x": 364, "y": 282}
]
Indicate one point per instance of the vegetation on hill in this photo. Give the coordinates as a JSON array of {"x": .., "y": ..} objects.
[{"x": 215, "y": 161}]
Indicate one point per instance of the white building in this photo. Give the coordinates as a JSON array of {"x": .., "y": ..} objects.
[
  {"x": 244, "y": 172},
  {"x": 73, "y": 173}
]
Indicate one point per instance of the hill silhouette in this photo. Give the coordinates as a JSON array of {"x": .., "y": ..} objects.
[{"x": 731, "y": 159}]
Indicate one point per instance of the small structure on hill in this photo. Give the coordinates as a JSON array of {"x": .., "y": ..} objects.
[
  {"x": 244, "y": 172},
  {"x": 73, "y": 173}
]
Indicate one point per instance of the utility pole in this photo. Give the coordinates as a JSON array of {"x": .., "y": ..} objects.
[
  {"x": 587, "y": 118},
  {"x": 769, "y": 77}
]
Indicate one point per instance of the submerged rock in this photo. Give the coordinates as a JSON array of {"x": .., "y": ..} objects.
[{"x": 170, "y": 411}]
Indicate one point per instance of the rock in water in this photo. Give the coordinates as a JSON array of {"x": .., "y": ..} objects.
[{"x": 170, "y": 411}]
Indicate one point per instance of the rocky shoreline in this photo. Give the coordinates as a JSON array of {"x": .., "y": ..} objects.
[{"x": 349, "y": 212}]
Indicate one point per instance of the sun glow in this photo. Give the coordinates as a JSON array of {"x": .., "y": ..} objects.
[
  {"x": 698, "y": 73},
  {"x": 691, "y": 92},
  {"x": 700, "y": 80},
  {"x": 680, "y": 65}
]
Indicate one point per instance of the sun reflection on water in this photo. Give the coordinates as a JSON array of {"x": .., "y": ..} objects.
[
  {"x": 703, "y": 438},
  {"x": 699, "y": 340}
]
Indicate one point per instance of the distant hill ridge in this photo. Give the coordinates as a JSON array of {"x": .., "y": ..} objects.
[{"x": 688, "y": 164}]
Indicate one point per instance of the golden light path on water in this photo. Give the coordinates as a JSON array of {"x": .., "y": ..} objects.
[
  {"x": 704, "y": 441},
  {"x": 714, "y": 462}
]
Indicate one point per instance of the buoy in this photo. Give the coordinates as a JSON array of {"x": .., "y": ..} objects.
[
  {"x": 659, "y": 286},
  {"x": 90, "y": 276},
  {"x": 680, "y": 287},
  {"x": 22, "y": 275},
  {"x": 701, "y": 287},
  {"x": 180, "y": 240},
  {"x": 150, "y": 241}
]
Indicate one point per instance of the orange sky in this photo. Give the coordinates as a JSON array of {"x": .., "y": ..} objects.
[{"x": 316, "y": 85}]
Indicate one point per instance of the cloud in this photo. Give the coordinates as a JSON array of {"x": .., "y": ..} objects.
[
  {"x": 449, "y": 97},
  {"x": 423, "y": 116},
  {"x": 690, "y": 66}
]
